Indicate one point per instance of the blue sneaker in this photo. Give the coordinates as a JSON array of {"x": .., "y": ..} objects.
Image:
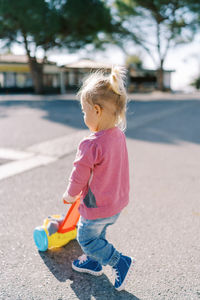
[
  {"x": 84, "y": 264},
  {"x": 122, "y": 271}
]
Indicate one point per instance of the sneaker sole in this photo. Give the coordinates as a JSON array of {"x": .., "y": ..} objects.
[
  {"x": 130, "y": 271},
  {"x": 95, "y": 273}
]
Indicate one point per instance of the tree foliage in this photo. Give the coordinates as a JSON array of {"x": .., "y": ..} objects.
[
  {"x": 85, "y": 22},
  {"x": 31, "y": 20},
  {"x": 157, "y": 26},
  {"x": 196, "y": 83},
  {"x": 45, "y": 25}
]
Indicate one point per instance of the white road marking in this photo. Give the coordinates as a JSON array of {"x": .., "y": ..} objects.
[
  {"x": 39, "y": 154},
  {"x": 19, "y": 166},
  {"x": 11, "y": 154}
]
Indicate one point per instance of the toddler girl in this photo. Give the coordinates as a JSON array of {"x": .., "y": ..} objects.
[{"x": 100, "y": 176}]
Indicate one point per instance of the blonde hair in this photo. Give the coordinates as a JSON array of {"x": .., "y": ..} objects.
[{"x": 100, "y": 88}]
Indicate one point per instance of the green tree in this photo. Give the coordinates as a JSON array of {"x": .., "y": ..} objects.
[
  {"x": 86, "y": 22},
  {"x": 196, "y": 83},
  {"x": 45, "y": 25},
  {"x": 156, "y": 26},
  {"x": 33, "y": 25}
]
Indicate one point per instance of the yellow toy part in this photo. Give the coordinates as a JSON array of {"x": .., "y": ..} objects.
[
  {"x": 65, "y": 231},
  {"x": 58, "y": 239}
]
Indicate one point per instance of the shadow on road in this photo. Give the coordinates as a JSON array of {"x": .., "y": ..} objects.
[
  {"x": 64, "y": 112},
  {"x": 160, "y": 121},
  {"x": 164, "y": 121},
  {"x": 84, "y": 285}
]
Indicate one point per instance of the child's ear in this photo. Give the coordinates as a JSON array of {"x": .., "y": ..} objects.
[{"x": 97, "y": 109}]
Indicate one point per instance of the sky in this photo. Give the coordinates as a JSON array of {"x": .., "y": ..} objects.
[{"x": 184, "y": 60}]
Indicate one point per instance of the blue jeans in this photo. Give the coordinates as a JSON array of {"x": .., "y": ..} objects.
[{"x": 92, "y": 239}]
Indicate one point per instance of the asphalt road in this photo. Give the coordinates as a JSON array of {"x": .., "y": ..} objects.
[{"x": 160, "y": 227}]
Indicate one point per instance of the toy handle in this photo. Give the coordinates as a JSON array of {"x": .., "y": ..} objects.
[
  {"x": 77, "y": 198},
  {"x": 65, "y": 202},
  {"x": 71, "y": 218}
]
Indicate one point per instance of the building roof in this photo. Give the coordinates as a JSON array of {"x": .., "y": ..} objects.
[
  {"x": 88, "y": 64},
  {"x": 11, "y": 58},
  {"x": 20, "y": 59},
  {"x": 141, "y": 69}
]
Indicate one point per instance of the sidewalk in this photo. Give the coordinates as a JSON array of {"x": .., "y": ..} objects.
[
  {"x": 32, "y": 97},
  {"x": 134, "y": 96}
]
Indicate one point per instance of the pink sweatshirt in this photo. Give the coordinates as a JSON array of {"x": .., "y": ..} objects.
[{"x": 101, "y": 172}]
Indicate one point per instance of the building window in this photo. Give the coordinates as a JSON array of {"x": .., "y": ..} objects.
[
  {"x": 20, "y": 80},
  {"x": 71, "y": 78},
  {"x": 10, "y": 79},
  {"x": 55, "y": 81},
  {"x": 23, "y": 80}
]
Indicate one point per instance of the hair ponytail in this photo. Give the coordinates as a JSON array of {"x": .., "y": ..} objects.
[{"x": 117, "y": 77}]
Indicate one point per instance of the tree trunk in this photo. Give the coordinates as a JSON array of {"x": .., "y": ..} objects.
[
  {"x": 36, "y": 74},
  {"x": 160, "y": 77},
  {"x": 36, "y": 69}
]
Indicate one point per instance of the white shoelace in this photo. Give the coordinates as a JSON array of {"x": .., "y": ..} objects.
[
  {"x": 115, "y": 273},
  {"x": 82, "y": 258}
]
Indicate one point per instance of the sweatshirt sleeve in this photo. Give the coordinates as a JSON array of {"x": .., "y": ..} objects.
[{"x": 87, "y": 156}]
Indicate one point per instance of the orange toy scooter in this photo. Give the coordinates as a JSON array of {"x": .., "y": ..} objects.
[{"x": 56, "y": 230}]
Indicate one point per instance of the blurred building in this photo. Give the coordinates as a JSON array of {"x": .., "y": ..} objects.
[
  {"x": 74, "y": 73},
  {"x": 145, "y": 80},
  {"x": 15, "y": 74},
  {"x": 138, "y": 79}
]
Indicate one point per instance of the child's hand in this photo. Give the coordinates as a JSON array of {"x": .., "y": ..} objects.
[{"x": 67, "y": 199}]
